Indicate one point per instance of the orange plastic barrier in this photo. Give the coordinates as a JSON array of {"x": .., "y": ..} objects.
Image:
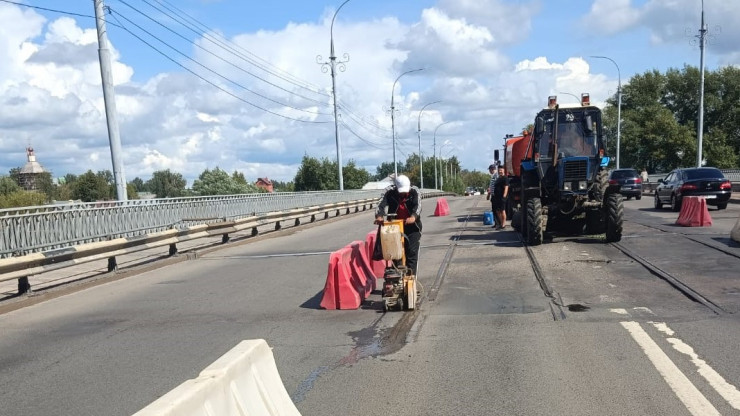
[
  {"x": 694, "y": 212},
  {"x": 349, "y": 279},
  {"x": 442, "y": 208},
  {"x": 377, "y": 266}
]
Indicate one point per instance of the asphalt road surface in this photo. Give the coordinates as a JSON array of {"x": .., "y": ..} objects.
[{"x": 600, "y": 332}]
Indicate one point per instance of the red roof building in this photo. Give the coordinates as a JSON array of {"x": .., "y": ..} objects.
[{"x": 264, "y": 183}]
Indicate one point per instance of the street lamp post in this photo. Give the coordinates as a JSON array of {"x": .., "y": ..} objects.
[
  {"x": 700, "y": 128},
  {"x": 421, "y": 158},
  {"x": 572, "y": 95},
  {"x": 435, "y": 152},
  {"x": 333, "y": 64},
  {"x": 619, "y": 102},
  {"x": 393, "y": 117},
  {"x": 441, "y": 173}
]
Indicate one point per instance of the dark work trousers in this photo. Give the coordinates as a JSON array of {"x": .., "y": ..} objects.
[{"x": 411, "y": 247}]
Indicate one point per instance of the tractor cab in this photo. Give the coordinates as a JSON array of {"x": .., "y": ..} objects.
[{"x": 568, "y": 147}]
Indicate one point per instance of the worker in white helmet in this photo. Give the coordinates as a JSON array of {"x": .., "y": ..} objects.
[{"x": 404, "y": 200}]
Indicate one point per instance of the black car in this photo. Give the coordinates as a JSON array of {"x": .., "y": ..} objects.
[
  {"x": 629, "y": 181},
  {"x": 709, "y": 183}
]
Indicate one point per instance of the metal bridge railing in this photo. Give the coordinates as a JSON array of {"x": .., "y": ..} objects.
[{"x": 35, "y": 229}]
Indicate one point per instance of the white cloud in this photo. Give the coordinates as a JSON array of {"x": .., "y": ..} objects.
[{"x": 51, "y": 96}]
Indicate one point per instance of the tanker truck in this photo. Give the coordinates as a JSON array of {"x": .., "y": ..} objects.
[{"x": 559, "y": 178}]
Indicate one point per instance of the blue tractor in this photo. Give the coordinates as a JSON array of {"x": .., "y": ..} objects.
[{"x": 564, "y": 179}]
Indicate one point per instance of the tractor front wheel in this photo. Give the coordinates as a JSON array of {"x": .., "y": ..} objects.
[
  {"x": 534, "y": 229},
  {"x": 614, "y": 217}
]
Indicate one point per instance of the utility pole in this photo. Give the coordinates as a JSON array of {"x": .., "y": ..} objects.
[
  {"x": 421, "y": 158},
  {"x": 109, "y": 98},
  {"x": 700, "y": 128}
]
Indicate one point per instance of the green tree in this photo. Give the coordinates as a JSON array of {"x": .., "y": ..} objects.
[
  {"x": 15, "y": 174},
  {"x": 8, "y": 186},
  {"x": 90, "y": 187},
  {"x": 131, "y": 191},
  {"x": 218, "y": 182},
  {"x": 139, "y": 185},
  {"x": 279, "y": 186},
  {"x": 166, "y": 184},
  {"x": 354, "y": 177},
  {"x": 45, "y": 185},
  {"x": 315, "y": 175},
  {"x": 238, "y": 177},
  {"x": 22, "y": 198}
]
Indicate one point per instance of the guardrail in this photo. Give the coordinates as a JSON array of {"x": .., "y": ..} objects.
[
  {"x": 36, "y": 229},
  {"x": 117, "y": 243}
]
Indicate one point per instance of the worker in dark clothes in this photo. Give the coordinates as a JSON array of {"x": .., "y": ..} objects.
[{"x": 404, "y": 201}]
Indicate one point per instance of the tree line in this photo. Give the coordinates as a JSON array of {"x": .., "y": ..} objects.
[
  {"x": 660, "y": 113},
  {"x": 313, "y": 175}
]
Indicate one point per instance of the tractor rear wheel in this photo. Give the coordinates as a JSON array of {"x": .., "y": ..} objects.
[
  {"x": 534, "y": 222},
  {"x": 614, "y": 217}
]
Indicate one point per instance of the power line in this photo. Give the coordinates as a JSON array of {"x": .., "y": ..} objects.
[
  {"x": 369, "y": 143},
  {"x": 295, "y": 81},
  {"x": 217, "y": 56},
  {"x": 210, "y": 82},
  {"x": 47, "y": 9},
  {"x": 209, "y": 69}
]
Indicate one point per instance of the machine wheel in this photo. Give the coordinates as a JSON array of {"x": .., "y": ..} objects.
[
  {"x": 722, "y": 206},
  {"x": 638, "y": 196},
  {"x": 657, "y": 204},
  {"x": 534, "y": 222},
  {"x": 603, "y": 180},
  {"x": 385, "y": 305},
  {"x": 400, "y": 304},
  {"x": 675, "y": 204},
  {"x": 614, "y": 217}
]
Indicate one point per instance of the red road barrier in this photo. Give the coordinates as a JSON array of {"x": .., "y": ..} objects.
[
  {"x": 694, "y": 212},
  {"x": 377, "y": 266},
  {"x": 442, "y": 208},
  {"x": 349, "y": 279}
]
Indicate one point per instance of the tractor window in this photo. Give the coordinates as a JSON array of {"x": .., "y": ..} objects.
[{"x": 574, "y": 140}]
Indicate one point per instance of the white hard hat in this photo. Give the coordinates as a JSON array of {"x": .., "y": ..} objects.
[{"x": 403, "y": 184}]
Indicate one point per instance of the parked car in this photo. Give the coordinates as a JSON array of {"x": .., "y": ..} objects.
[
  {"x": 471, "y": 191},
  {"x": 629, "y": 181},
  {"x": 709, "y": 183}
]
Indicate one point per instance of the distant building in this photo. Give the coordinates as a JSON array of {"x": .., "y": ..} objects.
[
  {"x": 381, "y": 184},
  {"x": 30, "y": 172},
  {"x": 264, "y": 183}
]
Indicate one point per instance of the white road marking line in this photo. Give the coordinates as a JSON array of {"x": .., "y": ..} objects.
[
  {"x": 662, "y": 327},
  {"x": 620, "y": 311},
  {"x": 689, "y": 395},
  {"x": 644, "y": 309},
  {"x": 728, "y": 391}
]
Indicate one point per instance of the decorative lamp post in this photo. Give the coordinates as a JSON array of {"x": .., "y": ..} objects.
[{"x": 333, "y": 64}]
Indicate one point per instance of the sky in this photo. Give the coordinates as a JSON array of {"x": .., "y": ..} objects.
[{"x": 238, "y": 85}]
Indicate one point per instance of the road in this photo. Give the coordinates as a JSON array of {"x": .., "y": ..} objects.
[{"x": 597, "y": 334}]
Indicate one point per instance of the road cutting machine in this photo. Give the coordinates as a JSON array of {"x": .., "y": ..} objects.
[{"x": 399, "y": 285}]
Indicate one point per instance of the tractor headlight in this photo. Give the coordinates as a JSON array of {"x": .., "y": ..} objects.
[
  {"x": 566, "y": 186},
  {"x": 582, "y": 185}
]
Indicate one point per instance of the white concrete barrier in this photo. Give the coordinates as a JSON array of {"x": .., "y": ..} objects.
[
  {"x": 735, "y": 233},
  {"x": 243, "y": 382}
]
